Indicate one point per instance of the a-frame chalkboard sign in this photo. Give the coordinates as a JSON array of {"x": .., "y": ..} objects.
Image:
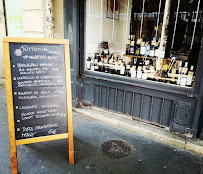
[{"x": 38, "y": 89}]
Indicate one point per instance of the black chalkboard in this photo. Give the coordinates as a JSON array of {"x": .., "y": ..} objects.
[{"x": 39, "y": 89}]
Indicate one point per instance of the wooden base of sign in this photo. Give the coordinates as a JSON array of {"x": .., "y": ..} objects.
[
  {"x": 10, "y": 107},
  {"x": 41, "y": 139}
]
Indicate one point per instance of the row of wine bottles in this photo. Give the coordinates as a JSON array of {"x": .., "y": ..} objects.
[
  {"x": 141, "y": 69},
  {"x": 143, "y": 47}
]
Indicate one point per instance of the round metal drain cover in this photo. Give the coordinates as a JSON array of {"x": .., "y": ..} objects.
[{"x": 116, "y": 149}]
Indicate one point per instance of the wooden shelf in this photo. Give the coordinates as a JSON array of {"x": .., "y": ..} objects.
[
  {"x": 140, "y": 57},
  {"x": 162, "y": 78}
]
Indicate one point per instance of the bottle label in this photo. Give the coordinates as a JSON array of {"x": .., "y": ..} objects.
[
  {"x": 132, "y": 50},
  {"x": 88, "y": 65},
  {"x": 132, "y": 43},
  {"x": 142, "y": 50},
  {"x": 128, "y": 42},
  {"x": 144, "y": 68},
  {"x": 183, "y": 81},
  {"x": 133, "y": 37},
  {"x": 106, "y": 51},
  {"x": 144, "y": 76},
  {"x": 185, "y": 70},
  {"x": 153, "y": 42},
  {"x": 139, "y": 68},
  {"x": 133, "y": 73},
  {"x": 105, "y": 60},
  {"x": 152, "y": 52},
  {"x": 142, "y": 44},
  {"x": 178, "y": 81},
  {"x": 122, "y": 70},
  {"x": 137, "y": 51},
  {"x": 92, "y": 68},
  {"x": 139, "y": 74},
  {"x": 151, "y": 75},
  {"x": 139, "y": 40},
  {"x": 133, "y": 68},
  {"x": 190, "y": 73},
  {"x": 173, "y": 71},
  {"x": 180, "y": 69},
  {"x": 152, "y": 68},
  {"x": 147, "y": 50},
  {"x": 189, "y": 80},
  {"x": 157, "y": 53},
  {"x": 100, "y": 63},
  {"x": 116, "y": 67}
]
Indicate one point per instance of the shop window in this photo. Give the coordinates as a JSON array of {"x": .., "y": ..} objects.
[{"x": 123, "y": 38}]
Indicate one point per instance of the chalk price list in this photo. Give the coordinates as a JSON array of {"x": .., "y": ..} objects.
[{"x": 38, "y": 80}]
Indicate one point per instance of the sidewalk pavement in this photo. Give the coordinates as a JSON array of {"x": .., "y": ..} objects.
[
  {"x": 148, "y": 157},
  {"x": 144, "y": 128}
]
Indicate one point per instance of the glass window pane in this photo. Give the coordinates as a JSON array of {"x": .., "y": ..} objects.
[
  {"x": 123, "y": 37},
  {"x": 188, "y": 31}
]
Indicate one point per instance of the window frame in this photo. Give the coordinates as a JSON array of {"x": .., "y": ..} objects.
[{"x": 159, "y": 86}]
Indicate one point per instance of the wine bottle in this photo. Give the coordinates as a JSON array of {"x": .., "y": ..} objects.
[
  {"x": 142, "y": 49},
  {"x": 144, "y": 71},
  {"x": 102, "y": 64},
  {"x": 122, "y": 67},
  {"x": 179, "y": 72},
  {"x": 139, "y": 70},
  {"x": 128, "y": 46},
  {"x": 190, "y": 76},
  {"x": 96, "y": 66},
  {"x": 133, "y": 72},
  {"x": 152, "y": 48},
  {"x": 128, "y": 69},
  {"x": 147, "y": 49},
  {"x": 183, "y": 79},
  {"x": 132, "y": 45},
  {"x": 92, "y": 64},
  {"x": 118, "y": 68},
  {"x": 88, "y": 63},
  {"x": 156, "y": 49},
  {"x": 106, "y": 59},
  {"x": 110, "y": 65},
  {"x": 150, "y": 75},
  {"x": 137, "y": 52},
  {"x": 115, "y": 67},
  {"x": 165, "y": 72}
]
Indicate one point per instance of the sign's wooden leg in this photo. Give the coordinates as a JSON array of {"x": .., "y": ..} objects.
[
  {"x": 71, "y": 148},
  {"x": 14, "y": 166},
  {"x": 69, "y": 104},
  {"x": 9, "y": 95}
]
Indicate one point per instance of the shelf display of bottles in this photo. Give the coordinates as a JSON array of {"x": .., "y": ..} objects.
[
  {"x": 142, "y": 47},
  {"x": 136, "y": 66}
]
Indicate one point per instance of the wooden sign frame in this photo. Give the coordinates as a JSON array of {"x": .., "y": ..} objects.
[{"x": 10, "y": 107}]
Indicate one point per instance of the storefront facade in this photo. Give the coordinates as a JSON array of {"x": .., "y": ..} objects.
[{"x": 110, "y": 69}]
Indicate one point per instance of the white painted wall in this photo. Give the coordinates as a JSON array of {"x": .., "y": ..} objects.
[
  {"x": 2, "y": 34},
  {"x": 100, "y": 28},
  {"x": 34, "y": 18}
]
